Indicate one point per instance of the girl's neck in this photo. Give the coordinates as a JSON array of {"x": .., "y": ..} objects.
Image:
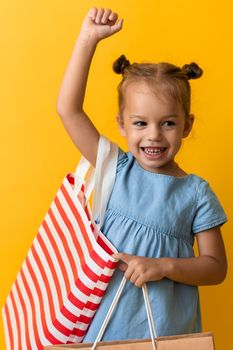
[
  {"x": 176, "y": 170},
  {"x": 171, "y": 169}
]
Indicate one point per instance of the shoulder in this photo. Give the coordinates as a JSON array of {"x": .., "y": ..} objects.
[
  {"x": 203, "y": 189},
  {"x": 208, "y": 209},
  {"x": 110, "y": 151},
  {"x": 197, "y": 184},
  {"x": 124, "y": 159}
]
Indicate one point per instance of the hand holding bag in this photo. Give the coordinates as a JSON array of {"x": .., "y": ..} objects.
[
  {"x": 69, "y": 265},
  {"x": 194, "y": 341}
]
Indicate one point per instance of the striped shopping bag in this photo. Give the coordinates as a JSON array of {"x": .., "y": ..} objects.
[{"x": 69, "y": 265}]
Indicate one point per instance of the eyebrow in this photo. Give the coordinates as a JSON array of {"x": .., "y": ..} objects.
[{"x": 165, "y": 116}]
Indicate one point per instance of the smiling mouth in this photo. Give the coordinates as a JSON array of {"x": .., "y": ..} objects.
[{"x": 151, "y": 151}]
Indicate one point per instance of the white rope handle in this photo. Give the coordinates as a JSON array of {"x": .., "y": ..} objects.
[
  {"x": 110, "y": 312},
  {"x": 113, "y": 306},
  {"x": 150, "y": 318}
]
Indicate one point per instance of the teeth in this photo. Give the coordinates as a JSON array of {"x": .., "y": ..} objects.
[{"x": 150, "y": 150}]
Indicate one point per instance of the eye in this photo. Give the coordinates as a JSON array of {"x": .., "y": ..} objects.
[
  {"x": 168, "y": 123},
  {"x": 140, "y": 123}
]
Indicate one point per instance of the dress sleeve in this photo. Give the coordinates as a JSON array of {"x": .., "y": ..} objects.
[
  {"x": 209, "y": 212},
  {"x": 122, "y": 159}
]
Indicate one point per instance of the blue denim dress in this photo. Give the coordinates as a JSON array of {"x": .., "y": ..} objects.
[{"x": 154, "y": 215}]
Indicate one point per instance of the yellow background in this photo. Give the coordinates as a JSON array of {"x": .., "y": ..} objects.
[{"x": 37, "y": 39}]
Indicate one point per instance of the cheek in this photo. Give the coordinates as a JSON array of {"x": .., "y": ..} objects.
[
  {"x": 176, "y": 138},
  {"x": 178, "y": 144},
  {"x": 180, "y": 131},
  {"x": 133, "y": 137}
]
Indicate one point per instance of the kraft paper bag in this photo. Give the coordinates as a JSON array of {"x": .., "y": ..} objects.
[{"x": 194, "y": 341}]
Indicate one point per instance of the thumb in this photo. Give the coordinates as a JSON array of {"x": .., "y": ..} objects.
[
  {"x": 122, "y": 266},
  {"x": 126, "y": 258},
  {"x": 117, "y": 26}
]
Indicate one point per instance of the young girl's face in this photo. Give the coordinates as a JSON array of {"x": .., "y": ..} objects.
[{"x": 154, "y": 128}]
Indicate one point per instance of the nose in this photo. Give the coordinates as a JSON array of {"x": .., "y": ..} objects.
[{"x": 154, "y": 133}]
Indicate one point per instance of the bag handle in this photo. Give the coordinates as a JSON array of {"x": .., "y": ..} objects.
[
  {"x": 80, "y": 173},
  {"x": 150, "y": 318},
  {"x": 106, "y": 164},
  {"x": 101, "y": 178},
  {"x": 113, "y": 306}
]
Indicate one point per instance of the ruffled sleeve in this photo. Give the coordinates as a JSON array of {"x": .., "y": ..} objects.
[
  {"x": 209, "y": 212},
  {"x": 122, "y": 159}
]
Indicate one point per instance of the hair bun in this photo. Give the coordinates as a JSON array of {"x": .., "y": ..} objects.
[
  {"x": 120, "y": 64},
  {"x": 192, "y": 70}
]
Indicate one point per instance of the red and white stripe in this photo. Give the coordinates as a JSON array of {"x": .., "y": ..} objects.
[{"x": 62, "y": 280}]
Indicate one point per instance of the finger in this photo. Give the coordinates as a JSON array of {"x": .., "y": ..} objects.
[
  {"x": 126, "y": 258},
  {"x": 105, "y": 16},
  {"x": 117, "y": 27},
  {"x": 128, "y": 273},
  {"x": 134, "y": 277},
  {"x": 92, "y": 13},
  {"x": 99, "y": 15},
  {"x": 122, "y": 267},
  {"x": 116, "y": 256},
  {"x": 113, "y": 17},
  {"x": 139, "y": 282}
]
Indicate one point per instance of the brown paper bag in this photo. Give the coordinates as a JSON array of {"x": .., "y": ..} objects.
[{"x": 195, "y": 341}]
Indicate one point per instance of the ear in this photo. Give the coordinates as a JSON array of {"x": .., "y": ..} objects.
[
  {"x": 121, "y": 125},
  {"x": 188, "y": 125}
]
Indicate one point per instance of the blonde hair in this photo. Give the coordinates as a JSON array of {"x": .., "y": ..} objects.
[{"x": 164, "y": 78}]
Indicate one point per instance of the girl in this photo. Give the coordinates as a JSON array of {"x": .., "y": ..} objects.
[{"x": 156, "y": 209}]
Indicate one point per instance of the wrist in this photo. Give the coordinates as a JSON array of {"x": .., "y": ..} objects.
[
  {"x": 168, "y": 267},
  {"x": 87, "y": 40}
]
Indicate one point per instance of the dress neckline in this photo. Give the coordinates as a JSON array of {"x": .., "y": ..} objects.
[{"x": 161, "y": 175}]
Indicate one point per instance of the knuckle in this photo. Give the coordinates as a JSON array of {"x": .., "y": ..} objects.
[
  {"x": 131, "y": 264},
  {"x": 127, "y": 275},
  {"x": 140, "y": 268},
  {"x": 113, "y": 14},
  {"x": 100, "y": 11},
  {"x": 138, "y": 284}
]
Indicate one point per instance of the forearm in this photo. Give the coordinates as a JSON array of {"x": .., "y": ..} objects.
[
  {"x": 201, "y": 270},
  {"x": 210, "y": 267},
  {"x": 71, "y": 95},
  {"x": 97, "y": 25}
]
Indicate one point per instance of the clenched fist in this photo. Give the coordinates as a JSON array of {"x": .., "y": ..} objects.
[{"x": 100, "y": 23}]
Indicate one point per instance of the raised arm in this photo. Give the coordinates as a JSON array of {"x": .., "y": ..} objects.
[{"x": 97, "y": 25}]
